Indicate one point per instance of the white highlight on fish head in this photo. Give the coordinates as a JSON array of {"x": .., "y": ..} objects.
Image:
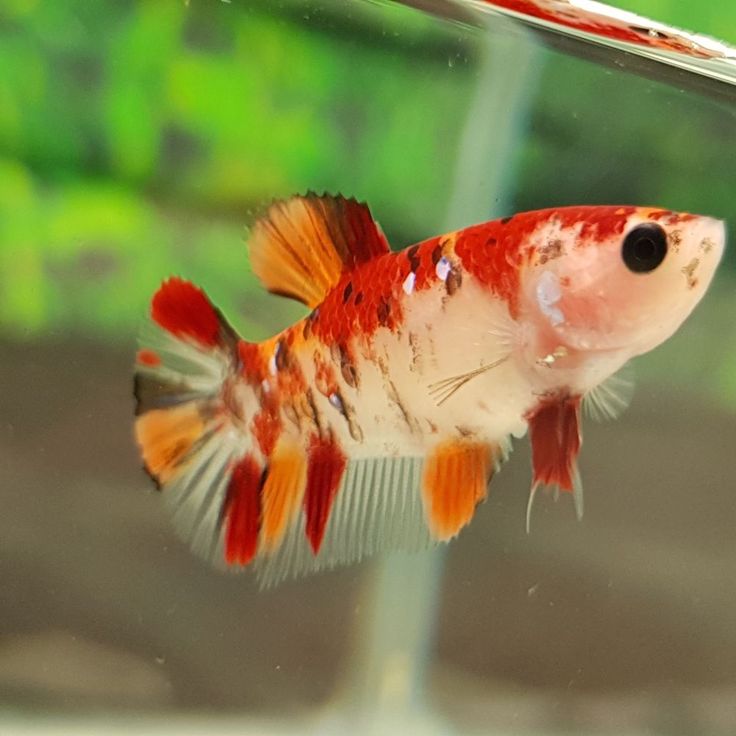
[
  {"x": 442, "y": 269},
  {"x": 611, "y": 286},
  {"x": 548, "y": 295},
  {"x": 408, "y": 285}
]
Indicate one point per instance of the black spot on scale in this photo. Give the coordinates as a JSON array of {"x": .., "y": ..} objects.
[
  {"x": 348, "y": 370},
  {"x": 338, "y": 402},
  {"x": 383, "y": 312},
  {"x": 347, "y": 292},
  {"x": 413, "y": 257},
  {"x": 340, "y": 355},
  {"x": 453, "y": 281},
  {"x": 436, "y": 254},
  {"x": 314, "y": 411},
  {"x": 308, "y": 321},
  {"x": 358, "y": 298},
  {"x": 280, "y": 356},
  {"x": 506, "y": 220}
]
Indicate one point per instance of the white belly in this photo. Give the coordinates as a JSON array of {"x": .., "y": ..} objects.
[{"x": 394, "y": 409}]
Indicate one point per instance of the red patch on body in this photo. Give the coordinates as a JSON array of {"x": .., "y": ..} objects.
[
  {"x": 376, "y": 294},
  {"x": 494, "y": 252},
  {"x": 378, "y": 282},
  {"x": 148, "y": 357},
  {"x": 424, "y": 262},
  {"x": 182, "y": 309},
  {"x": 242, "y": 512},
  {"x": 326, "y": 464},
  {"x": 266, "y": 424},
  {"x": 554, "y": 431},
  {"x": 251, "y": 360}
]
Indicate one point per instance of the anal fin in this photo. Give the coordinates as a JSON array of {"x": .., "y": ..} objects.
[
  {"x": 377, "y": 507},
  {"x": 456, "y": 477},
  {"x": 283, "y": 491}
]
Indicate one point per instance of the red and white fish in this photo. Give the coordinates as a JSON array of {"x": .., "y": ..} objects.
[{"x": 378, "y": 420}]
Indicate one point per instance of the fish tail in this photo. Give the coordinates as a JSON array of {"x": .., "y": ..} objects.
[{"x": 188, "y": 427}]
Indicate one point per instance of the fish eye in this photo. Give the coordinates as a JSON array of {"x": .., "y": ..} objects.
[{"x": 644, "y": 248}]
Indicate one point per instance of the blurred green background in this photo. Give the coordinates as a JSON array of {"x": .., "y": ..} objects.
[{"x": 138, "y": 137}]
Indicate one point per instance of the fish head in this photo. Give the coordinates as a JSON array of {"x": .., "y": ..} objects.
[{"x": 610, "y": 283}]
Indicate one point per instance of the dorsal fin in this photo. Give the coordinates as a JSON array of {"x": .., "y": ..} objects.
[{"x": 301, "y": 246}]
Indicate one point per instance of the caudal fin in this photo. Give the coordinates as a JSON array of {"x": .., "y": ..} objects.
[{"x": 192, "y": 441}]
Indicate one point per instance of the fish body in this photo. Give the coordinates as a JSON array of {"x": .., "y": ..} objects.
[{"x": 378, "y": 420}]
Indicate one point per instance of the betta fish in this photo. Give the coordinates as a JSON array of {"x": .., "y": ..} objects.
[{"x": 378, "y": 420}]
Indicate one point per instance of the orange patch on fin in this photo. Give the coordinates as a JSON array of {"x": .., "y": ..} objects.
[
  {"x": 282, "y": 493},
  {"x": 302, "y": 245},
  {"x": 165, "y": 436},
  {"x": 148, "y": 357},
  {"x": 456, "y": 476},
  {"x": 554, "y": 431}
]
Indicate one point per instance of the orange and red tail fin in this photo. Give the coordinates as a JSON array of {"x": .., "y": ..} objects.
[{"x": 192, "y": 441}]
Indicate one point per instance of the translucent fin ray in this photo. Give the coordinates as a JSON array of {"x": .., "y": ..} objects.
[
  {"x": 610, "y": 398},
  {"x": 378, "y": 507}
]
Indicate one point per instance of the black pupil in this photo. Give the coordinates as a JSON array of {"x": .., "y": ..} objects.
[{"x": 644, "y": 248}]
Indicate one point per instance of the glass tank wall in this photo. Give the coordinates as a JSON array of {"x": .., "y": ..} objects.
[{"x": 138, "y": 140}]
